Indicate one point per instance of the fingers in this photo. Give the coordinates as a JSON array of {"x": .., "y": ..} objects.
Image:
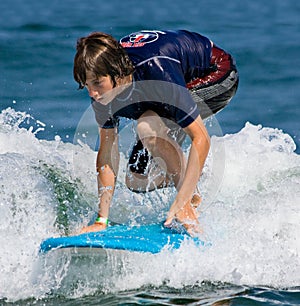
[
  {"x": 174, "y": 209},
  {"x": 97, "y": 227},
  {"x": 168, "y": 222},
  {"x": 196, "y": 200},
  {"x": 187, "y": 217}
]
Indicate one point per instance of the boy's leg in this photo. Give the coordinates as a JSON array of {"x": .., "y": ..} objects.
[
  {"x": 153, "y": 177},
  {"x": 214, "y": 91},
  {"x": 164, "y": 165}
]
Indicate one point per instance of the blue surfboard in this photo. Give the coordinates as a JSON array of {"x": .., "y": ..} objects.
[{"x": 144, "y": 238}]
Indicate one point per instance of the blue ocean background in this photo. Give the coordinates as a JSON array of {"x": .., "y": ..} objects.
[{"x": 47, "y": 179}]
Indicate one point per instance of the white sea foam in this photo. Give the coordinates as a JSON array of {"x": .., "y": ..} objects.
[{"x": 49, "y": 187}]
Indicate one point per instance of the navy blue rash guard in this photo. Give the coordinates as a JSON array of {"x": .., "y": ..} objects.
[{"x": 164, "y": 61}]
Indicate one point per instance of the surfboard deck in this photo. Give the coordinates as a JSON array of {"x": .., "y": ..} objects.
[{"x": 151, "y": 238}]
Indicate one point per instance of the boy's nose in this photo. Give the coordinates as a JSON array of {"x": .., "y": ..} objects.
[{"x": 92, "y": 93}]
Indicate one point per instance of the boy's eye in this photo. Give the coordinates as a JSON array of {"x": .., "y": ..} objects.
[{"x": 98, "y": 83}]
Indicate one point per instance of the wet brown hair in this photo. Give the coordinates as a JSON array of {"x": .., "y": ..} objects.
[{"x": 101, "y": 54}]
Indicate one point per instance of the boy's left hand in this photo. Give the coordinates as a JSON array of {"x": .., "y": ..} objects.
[
  {"x": 188, "y": 217},
  {"x": 96, "y": 227}
]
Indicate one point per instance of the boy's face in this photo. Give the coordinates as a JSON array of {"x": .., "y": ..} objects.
[{"x": 99, "y": 88}]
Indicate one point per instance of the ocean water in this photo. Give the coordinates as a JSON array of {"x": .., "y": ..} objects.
[{"x": 250, "y": 183}]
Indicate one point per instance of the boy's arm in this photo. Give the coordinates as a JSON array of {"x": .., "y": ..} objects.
[
  {"x": 107, "y": 170},
  {"x": 197, "y": 156}
]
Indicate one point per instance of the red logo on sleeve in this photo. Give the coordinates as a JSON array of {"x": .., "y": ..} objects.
[{"x": 139, "y": 39}]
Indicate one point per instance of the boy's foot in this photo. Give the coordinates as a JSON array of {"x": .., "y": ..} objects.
[{"x": 196, "y": 200}]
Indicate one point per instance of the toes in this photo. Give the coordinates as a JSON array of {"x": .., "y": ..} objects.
[{"x": 196, "y": 200}]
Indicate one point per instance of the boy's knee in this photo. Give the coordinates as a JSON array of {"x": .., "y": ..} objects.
[{"x": 149, "y": 127}]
